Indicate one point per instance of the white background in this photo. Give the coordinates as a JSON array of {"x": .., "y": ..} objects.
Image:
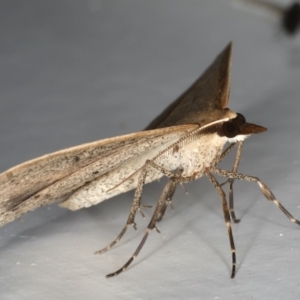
[{"x": 79, "y": 71}]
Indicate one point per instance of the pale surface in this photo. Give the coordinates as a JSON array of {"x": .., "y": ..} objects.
[{"x": 78, "y": 71}]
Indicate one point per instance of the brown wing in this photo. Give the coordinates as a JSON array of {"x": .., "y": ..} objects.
[
  {"x": 48, "y": 178},
  {"x": 209, "y": 93}
]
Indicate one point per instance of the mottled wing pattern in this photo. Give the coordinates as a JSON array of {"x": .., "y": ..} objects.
[{"x": 53, "y": 176}]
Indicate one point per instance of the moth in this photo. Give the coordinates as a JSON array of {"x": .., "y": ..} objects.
[
  {"x": 183, "y": 143},
  {"x": 289, "y": 16}
]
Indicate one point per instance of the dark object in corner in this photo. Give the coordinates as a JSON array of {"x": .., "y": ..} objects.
[{"x": 291, "y": 19}]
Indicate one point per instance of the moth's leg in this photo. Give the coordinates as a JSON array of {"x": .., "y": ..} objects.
[
  {"x": 175, "y": 178},
  {"x": 169, "y": 193},
  {"x": 151, "y": 226},
  {"x": 264, "y": 189},
  {"x": 136, "y": 205},
  {"x": 168, "y": 200},
  {"x": 223, "y": 155},
  {"x": 230, "y": 180},
  {"x": 226, "y": 152},
  {"x": 226, "y": 217}
]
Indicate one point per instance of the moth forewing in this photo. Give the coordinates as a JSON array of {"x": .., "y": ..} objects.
[
  {"x": 204, "y": 101},
  {"x": 54, "y": 176}
]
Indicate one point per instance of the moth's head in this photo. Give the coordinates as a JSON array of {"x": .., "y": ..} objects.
[{"x": 237, "y": 129}]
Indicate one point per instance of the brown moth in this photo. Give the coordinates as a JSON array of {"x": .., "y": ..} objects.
[{"x": 183, "y": 143}]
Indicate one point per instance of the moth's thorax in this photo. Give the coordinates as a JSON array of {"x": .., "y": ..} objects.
[{"x": 196, "y": 156}]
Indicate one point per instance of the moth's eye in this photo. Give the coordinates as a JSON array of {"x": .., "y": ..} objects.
[
  {"x": 230, "y": 129},
  {"x": 241, "y": 119}
]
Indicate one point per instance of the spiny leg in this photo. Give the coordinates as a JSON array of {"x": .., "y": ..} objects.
[
  {"x": 234, "y": 169},
  {"x": 151, "y": 226},
  {"x": 227, "y": 219},
  {"x": 136, "y": 205},
  {"x": 167, "y": 203},
  {"x": 172, "y": 185},
  {"x": 231, "y": 181},
  {"x": 223, "y": 155},
  {"x": 226, "y": 152},
  {"x": 264, "y": 189},
  {"x": 175, "y": 178}
]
